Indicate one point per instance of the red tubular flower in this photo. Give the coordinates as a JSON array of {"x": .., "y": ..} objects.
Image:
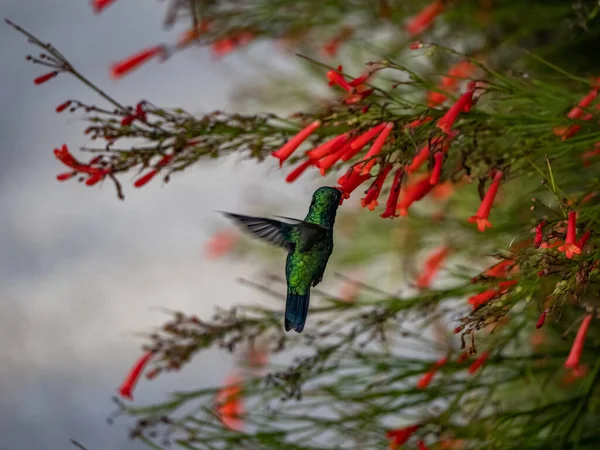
[
  {"x": 328, "y": 147},
  {"x": 478, "y": 362},
  {"x": 331, "y": 159},
  {"x": 432, "y": 266},
  {"x": 541, "y": 320},
  {"x": 331, "y": 47},
  {"x": 392, "y": 201},
  {"x": 482, "y": 216},
  {"x": 125, "y": 66},
  {"x": 63, "y": 106},
  {"x": 357, "y": 144},
  {"x": 422, "y": 445},
  {"x": 400, "y": 436},
  {"x": 463, "y": 104},
  {"x": 375, "y": 149},
  {"x": 417, "y": 123},
  {"x": 539, "y": 234},
  {"x": 501, "y": 269},
  {"x": 414, "y": 193},
  {"x": 335, "y": 77},
  {"x": 482, "y": 298},
  {"x": 220, "y": 244},
  {"x": 99, "y": 5},
  {"x": 581, "y": 242},
  {"x": 229, "y": 405},
  {"x": 294, "y": 174},
  {"x": 145, "y": 179},
  {"x": 572, "y": 361},
  {"x": 290, "y": 146},
  {"x": 426, "y": 379},
  {"x": 370, "y": 199},
  {"x": 126, "y": 389},
  {"x": 570, "y": 246},
  {"x": 43, "y": 78},
  {"x": 95, "y": 178},
  {"x": 437, "y": 168},
  {"x": 424, "y": 19},
  {"x": 65, "y": 176},
  {"x": 423, "y": 155},
  {"x": 351, "y": 181},
  {"x": 585, "y": 102}
]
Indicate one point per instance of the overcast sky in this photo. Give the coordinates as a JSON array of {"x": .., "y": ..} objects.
[{"x": 80, "y": 271}]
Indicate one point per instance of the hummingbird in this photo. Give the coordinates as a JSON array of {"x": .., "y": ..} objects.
[{"x": 309, "y": 244}]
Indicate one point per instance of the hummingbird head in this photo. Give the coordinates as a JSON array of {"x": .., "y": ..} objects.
[{"x": 326, "y": 198}]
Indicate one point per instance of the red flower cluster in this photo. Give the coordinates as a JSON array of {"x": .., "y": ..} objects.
[
  {"x": 427, "y": 378},
  {"x": 95, "y": 173}
]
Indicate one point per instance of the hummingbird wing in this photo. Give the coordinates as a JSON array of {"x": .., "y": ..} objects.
[{"x": 279, "y": 233}]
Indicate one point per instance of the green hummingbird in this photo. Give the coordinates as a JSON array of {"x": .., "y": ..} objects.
[{"x": 309, "y": 243}]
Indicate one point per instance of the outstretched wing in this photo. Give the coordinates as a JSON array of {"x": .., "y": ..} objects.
[
  {"x": 310, "y": 233},
  {"x": 278, "y": 233}
]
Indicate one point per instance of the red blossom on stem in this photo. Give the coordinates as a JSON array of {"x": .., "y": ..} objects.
[
  {"x": 414, "y": 193},
  {"x": 482, "y": 298},
  {"x": 585, "y": 102},
  {"x": 501, "y": 269},
  {"x": 423, "y": 20},
  {"x": 126, "y": 389},
  {"x": 482, "y": 216},
  {"x": 99, "y": 5},
  {"x": 432, "y": 266},
  {"x": 570, "y": 246},
  {"x": 336, "y": 78},
  {"x": 418, "y": 122},
  {"x": 350, "y": 181},
  {"x": 539, "y": 234},
  {"x": 426, "y": 379},
  {"x": 299, "y": 170},
  {"x": 375, "y": 149},
  {"x": 290, "y": 146},
  {"x": 65, "y": 176},
  {"x": 328, "y": 161},
  {"x": 392, "y": 201},
  {"x": 463, "y": 104},
  {"x": 437, "y": 168},
  {"x": 479, "y": 362},
  {"x": 358, "y": 143},
  {"x": 63, "y": 106},
  {"x": 43, "y": 78},
  {"x": 572, "y": 361},
  {"x": 126, "y": 65},
  {"x": 400, "y": 436},
  {"x": 328, "y": 147},
  {"x": 423, "y": 155},
  {"x": 542, "y": 319},
  {"x": 581, "y": 242},
  {"x": 370, "y": 199},
  {"x": 229, "y": 404}
]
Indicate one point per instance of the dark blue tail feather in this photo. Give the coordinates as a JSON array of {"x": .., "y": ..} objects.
[{"x": 296, "y": 310}]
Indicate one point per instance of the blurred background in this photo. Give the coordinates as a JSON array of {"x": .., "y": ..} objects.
[{"x": 81, "y": 273}]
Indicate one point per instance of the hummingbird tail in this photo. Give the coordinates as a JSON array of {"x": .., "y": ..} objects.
[{"x": 296, "y": 310}]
